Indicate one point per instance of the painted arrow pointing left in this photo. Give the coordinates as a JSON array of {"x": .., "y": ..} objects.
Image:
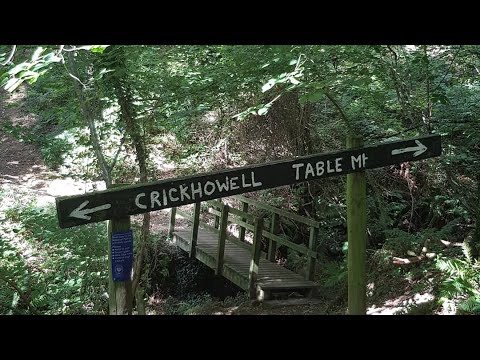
[{"x": 81, "y": 213}]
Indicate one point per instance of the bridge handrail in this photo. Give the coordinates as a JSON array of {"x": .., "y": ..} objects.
[
  {"x": 285, "y": 213},
  {"x": 224, "y": 214}
]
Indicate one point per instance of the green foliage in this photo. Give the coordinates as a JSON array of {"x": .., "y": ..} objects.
[
  {"x": 470, "y": 306},
  {"x": 461, "y": 281},
  {"x": 61, "y": 271},
  {"x": 336, "y": 274},
  {"x": 203, "y": 107},
  {"x": 53, "y": 150},
  {"x": 29, "y": 70},
  {"x": 40, "y": 63},
  {"x": 185, "y": 306}
]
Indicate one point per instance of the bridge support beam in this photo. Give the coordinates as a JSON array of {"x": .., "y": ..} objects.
[
  {"x": 196, "y": 223},
  {"x": 222, "y": 237},
  {"x": 255, "y": 261},
  {"x": 171, "y": 227}
]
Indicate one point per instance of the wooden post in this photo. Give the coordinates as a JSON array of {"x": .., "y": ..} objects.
[
  {"x": 171, "y": 227},
  {"x": 242, "y": 229},
  {"x": 222, "y": 237},
  {"x": 196, "y": 222},
  {"x": 357, "y": 236},
  {"x": 217, "y": 218},
  {"x": 120, "y": 299},
  {"x": 312, "y": 245},
  {"x": 255, "y": 261},
  {"x": 272, "y": 246}
]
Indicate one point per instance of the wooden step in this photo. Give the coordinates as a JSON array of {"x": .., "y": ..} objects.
[
  {"x": 292, "y": 302},
  {"x": 287, "y": 285}
]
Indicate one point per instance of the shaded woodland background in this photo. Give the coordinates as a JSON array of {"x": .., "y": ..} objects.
[{"x": 79, "y": 118}]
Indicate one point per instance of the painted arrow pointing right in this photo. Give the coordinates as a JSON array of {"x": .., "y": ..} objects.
[
  {"x": 81, "y": 213},
  {"x": 419, "y": 149}
]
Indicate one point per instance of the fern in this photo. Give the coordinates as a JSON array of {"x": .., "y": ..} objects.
[
  {"x": 336, "y": 274},
  {"x": 461, "y": 280},
  {"x": 470, "y": 306}
]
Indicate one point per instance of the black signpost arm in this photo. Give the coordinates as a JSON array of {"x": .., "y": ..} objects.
[
  {"x": 168, "y": 193},
  {"x": 357, "y": 233}
]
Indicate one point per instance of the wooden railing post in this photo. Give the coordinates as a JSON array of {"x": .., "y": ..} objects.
[
  {"x": 217, "y": 218},
  {"x": 272, "y": 246},
  {"x": 171, "y": 227},
  {"x": 242, "y": 229},
  {"x": 255, "y": 261},
  {"x": 222, "y": 237},
  {"x": 312, "y": 245},
  {"x": 196, "y": 222}
]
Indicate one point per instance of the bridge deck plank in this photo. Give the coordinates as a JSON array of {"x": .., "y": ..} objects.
[{"x": 237, "y": 263}]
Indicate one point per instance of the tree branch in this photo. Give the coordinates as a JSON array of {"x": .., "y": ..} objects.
[
  {"x": 344, "y": 117},
  {"x": 115, "y": 158}
]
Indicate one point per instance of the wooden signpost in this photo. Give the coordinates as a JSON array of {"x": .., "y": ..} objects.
[
  {"x": 119, "y": 203},
  {"x": 141, "y": 198}
]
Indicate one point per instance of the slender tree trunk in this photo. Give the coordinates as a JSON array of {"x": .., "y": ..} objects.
[
  {"x": 127, "y": 111},
  {"x": 88, "y": 112}
]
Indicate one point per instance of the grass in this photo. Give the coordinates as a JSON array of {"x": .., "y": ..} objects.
[{"x": 48, "y": 270}]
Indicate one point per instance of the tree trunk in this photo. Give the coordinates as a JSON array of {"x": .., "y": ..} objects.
[
  {"x": 88, "y": 112},
  {"x": 127, "y": 113}
]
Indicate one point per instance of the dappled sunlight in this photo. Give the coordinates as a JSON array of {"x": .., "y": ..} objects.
[
  {"x": 195, "y": 122},
  {"x": 59, "y": 268},
  {"x": 401, "y": 304}
]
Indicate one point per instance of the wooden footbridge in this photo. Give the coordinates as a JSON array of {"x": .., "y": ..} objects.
[
  {"x": 242, "y": 262},
  {"x": 231, "y": 256}
]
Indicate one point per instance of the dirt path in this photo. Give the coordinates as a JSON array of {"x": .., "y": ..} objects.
[
  {"x": 19, "y": 161},
  {"x": 22, "y": 170}
]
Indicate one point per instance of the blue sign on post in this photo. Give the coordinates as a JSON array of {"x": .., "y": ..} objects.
[{"x": 122, "y": 255}]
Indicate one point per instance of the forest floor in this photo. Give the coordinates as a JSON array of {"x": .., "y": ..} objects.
[{"x": 23, "y": 172}]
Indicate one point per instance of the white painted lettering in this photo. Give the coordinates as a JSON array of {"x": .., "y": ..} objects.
[
  {"x": 359, "y": 161},
  {"x": 320, "y": 168},
  {"x": 308, "y": 170},
  {"x": 255, "y": 184},
  {"x": 297, "y": 167},
  {"x": 356, "y": 161},
  {"x": 206, "y": 191},
  {"x": 364, "y": 158},
  {"x": 172, "y": 198},
  {"x": 183, "y": 193},
  {"x": 329, "y": 168},
  {"x": 154, "y": 199},
  {"x": 244, "y": 184},
  {"x": 196, "y": 191},
  {"x": 165, "y": 200},
  {"x": 137, "y": 201},
  {"x": 222, "y": 186},
  {"x": 338, "y": 165},
  {"x": 233, "y": 184}
]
